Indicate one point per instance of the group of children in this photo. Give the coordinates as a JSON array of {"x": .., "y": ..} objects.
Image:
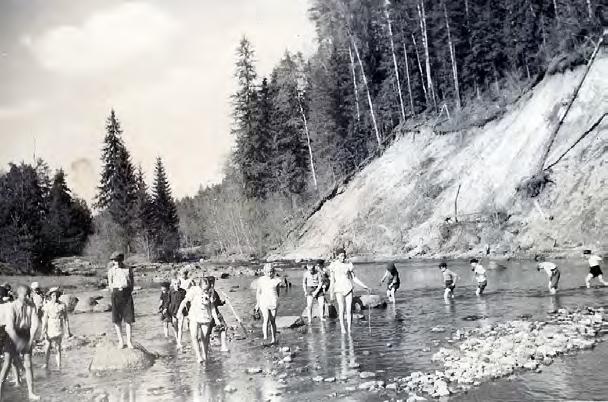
[
  {"x": 196, "y": 301},
  {"x": 27, "y": 316}
]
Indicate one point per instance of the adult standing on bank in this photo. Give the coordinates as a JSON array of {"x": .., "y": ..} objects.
[
  {"x": 120, "y": 284},
  {"x": 341, "y": 287}
]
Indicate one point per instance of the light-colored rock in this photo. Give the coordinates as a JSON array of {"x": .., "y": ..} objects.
[
  {"x": 318, "y": 378},
  {"x": 366, "y": 374},
  {"x": 229, "y": 389},
  {"x": 108, "y": 357},
  {"x": 70, "y": 301},
  {"x": 289, "y": 321},
  {"x": 330, "y": 379},
  {"x": 365, "y": 302},
  {"x": 253, "y": 370},
  {"x": 102, "y": 307}
]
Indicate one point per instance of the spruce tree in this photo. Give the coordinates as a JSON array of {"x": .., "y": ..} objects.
[
  {"x": 143, "y": 215},
  {"x": 165, "y": 222},
  {"x": 117, "y": 188}
]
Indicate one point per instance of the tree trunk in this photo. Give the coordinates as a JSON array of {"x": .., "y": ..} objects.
[
  {"x": 425, "y": 44},
  {"x": 426, "y": 96},
  {"x": 312, "y": 162},
  {"x": 369, "y": 96},
  {"x": 356, "y": 91},
  {"x": 409, "y": 85},
  {"x": 590, "y": 9},
  {"x": 453, "y": 57},
  {"x": 555, "y": 11},
  {"x": 236, "y": 233},
  {"x": 395, "y": 65}
]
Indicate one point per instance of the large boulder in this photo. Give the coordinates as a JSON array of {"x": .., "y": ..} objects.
[
  {"x": 86, "y": 305},
  {"x": 102, "y": 307},
  {"x": 365, "y": 302},
  {"x": 289, "y": 322},
  {"x": 108, "y": 357},
  {"x": 70, "y": 301}
]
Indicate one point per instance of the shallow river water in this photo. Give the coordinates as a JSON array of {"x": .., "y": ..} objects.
[{"x": 512, "y": 292}]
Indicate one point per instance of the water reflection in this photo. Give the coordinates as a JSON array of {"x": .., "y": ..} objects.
[{"x": 348, "y": 361}]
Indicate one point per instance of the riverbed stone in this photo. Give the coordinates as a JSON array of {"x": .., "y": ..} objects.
[
  {"x": 108, "y": 357},
  {"x": 366, "y": 374},
  {"x": 365, "y": 302},
  {"x": 70, "y": 301},
  {"x": 289, "y": 322}
]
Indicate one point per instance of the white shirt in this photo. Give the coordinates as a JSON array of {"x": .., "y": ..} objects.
[
  {"x": 595, "y": 260},
  {"x": 200, "y": 304},
  {"x": 343, "y": 275},
  {"x": 269, "y": 295},
  {"x": 549, "y": 267},
  {"x": 480, "y": 273}
]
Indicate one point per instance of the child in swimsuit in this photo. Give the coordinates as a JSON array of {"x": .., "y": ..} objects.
[
  {"x": 163, "y": 307},
  {"x": 54, "y": 323},
  {"x": 393, "y": 282},
  {"x": 595, "y": 271},
  {"x": 176, "y": 296},
  {"x": 342, "y": 279},
  {"x": 449, "y": 279},
  {"x": 479, "y": 276},
  {"x": 312, "y": 285},
  {"x": 267, "y": 300},
  {"x": 220, "y": 325}
]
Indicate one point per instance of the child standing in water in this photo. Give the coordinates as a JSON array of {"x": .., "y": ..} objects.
[
  {"x": 393, "y": 281},
  {"x": 449, "y": 279},
  {"x": 200, "y": 316},
  {"x": 176, "y": 296},
  {"x": 163, "y": 307},
  {"x": 595, "y": 271},
  {"x": 267, "y": 300},
  {"x": 552, "y": 272},
  {"x": 311, "y": 282},
  {"x": 220, "y": 325},
  {"x": 480, "y": 276},
  {"x": 342, "y": 278},
  {"x": 54, "y": 323}
]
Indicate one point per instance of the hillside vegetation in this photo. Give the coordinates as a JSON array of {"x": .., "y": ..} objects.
[{"x": 403, "y": 203}]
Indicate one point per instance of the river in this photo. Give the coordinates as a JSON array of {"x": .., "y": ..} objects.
[{"x": 394, "y": 343}]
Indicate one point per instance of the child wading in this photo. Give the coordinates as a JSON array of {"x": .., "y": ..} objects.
[
  {"x": 552, "y": 272},
  {"x": 219, "y": 325},
  {"x": 312, "y": 284},
  {"x": 176, "y": 296},
  {"x": 479, "y": 276},
  {"x": 594, "y": 268},
  {"x": 200, "y": 316},
  {"x": 55, "y": 325},
  {"x": 449, "y": 279},
  {"x": 393, "y": 281},
  {"x": 342, "y": 278},
  {"x": 163, "y": 307},
  {"x": 267, "y": 301}
]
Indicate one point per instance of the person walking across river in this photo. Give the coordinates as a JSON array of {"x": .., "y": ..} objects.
[
  {"x": 391, "y": 275},
  {"x": 312, "y": 285},
  {"x": 449, "y": 280},
  {"x": 267, "y": 301},
  {"x": 21, "y": 326},
  {"x": 55, "y": 324},
  {"x": 176, "y": 296},
  {"x": 552, "y": 272},
  {"x": 120, "y": 284},
  {"x": 480, "y": 276},
  {"x": 341, "y": 287},
  {"x": 595, "y": 271}
]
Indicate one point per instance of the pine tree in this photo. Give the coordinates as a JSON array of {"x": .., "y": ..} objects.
[
  {"x": 143, "y": 215},
  {"x": 117, "y": 189},
  {"x": 163, "y": 214}
]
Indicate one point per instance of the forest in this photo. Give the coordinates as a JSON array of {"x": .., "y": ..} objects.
[{"x": 381, "y": 67}]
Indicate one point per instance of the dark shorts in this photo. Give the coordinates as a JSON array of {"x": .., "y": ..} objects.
[
  {"x": 595, "y": 271},
  {"x": 7, "y": 343},
  {"x": 221, "y": 325},
  {"x": 450, "y": 285},
  {"x": 393, "y": 285},
  {"x": 312, "y": 291},
  {"x": 554, "y": 280},
  {"x": 482, "y": 285},
  {"x": 166, "y": 317},
  {"x": 122, "y": 306}
]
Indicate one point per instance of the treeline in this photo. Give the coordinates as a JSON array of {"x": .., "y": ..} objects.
[
  {"x": 131, "y": 218},
  {"x": 379, "y": 65},
  {"x": 39, "y": 217}
]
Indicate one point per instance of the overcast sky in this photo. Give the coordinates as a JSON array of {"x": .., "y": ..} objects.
[{"x": 165, "y": 67}]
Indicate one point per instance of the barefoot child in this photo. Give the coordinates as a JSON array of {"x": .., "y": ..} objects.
[
  {"x": 55, "y": 324},
  {"x": 220, "y": 325},
  {"x": 176, "y": 296},
  {"x": 342, "y": 279},
  {"x": 200, "y": 316},
  {"x": 21, "y": 325},
  {"x": 449, "y": 279},
  {"x": 267, "y": 301},
  {"x": 163, "y": 307},
  {"x": 594, "y": 268},
  {"x": 552, "y": 272},
  {"x": 311, "y": 283},
  {"x": 393, "y": 281},
  {"x": 480, "y": 276}
]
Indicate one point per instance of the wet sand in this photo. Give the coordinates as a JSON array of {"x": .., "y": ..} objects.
[{"x": 397, "y": 342}]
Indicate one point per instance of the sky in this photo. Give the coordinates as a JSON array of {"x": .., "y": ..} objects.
[{"x": 166, "y": 67}]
